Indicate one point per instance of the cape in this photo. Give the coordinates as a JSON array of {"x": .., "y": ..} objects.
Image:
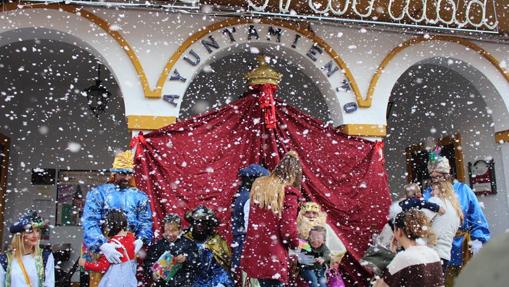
[{"x": 196, "y": 161}]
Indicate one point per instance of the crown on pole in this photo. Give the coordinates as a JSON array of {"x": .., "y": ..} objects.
[{"x": 263, "y": 74}]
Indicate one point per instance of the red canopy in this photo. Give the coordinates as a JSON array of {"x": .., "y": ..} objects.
[{"x": 196, "y": 162}]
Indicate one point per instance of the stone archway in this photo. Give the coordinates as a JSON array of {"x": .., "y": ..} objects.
[
  {"x": 283, "y": 40},
  {"x": 51, "y": 22},
  {"x": 301, "y": 85},
  {"x": 51, "y": 126},
  {"x": 440, "y": 97},
  {"x": 461, "y": 56}
]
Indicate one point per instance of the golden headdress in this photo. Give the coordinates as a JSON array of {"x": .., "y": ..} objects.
[
  {"x": 263, "y": 74},
  {"x": 310, "y": 206},
  {"x": 123, "y": 162}
]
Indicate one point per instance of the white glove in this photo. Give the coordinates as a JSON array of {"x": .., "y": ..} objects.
[
  {"x": 138, "y": 244},
  {"x": 109, "y": 251},
  {"x": 475, "y": 246}
]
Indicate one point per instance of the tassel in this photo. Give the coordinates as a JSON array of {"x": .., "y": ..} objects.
[
  {"x": 268, "y": 104},
  {"x": 137, "y": 142}
]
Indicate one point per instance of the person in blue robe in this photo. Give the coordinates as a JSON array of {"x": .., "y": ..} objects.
[
  {"x": 247, "y": 176},
  {"x": 119, "y": 194}
]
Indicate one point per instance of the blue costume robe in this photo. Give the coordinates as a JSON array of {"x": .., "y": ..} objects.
[
  {"x": 133, "y": 202},
  {"x": 474, "y": 220}
]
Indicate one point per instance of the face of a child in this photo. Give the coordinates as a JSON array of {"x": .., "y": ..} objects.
[
  {"x": 316, "y": 239},
  {"x": 171, "y": 231},
  {"x": 435, "y": 190},
  {"x": 418, "y": 194},
  {"x": 31, "y": 238},
  {"x": 335, "y": 265}
]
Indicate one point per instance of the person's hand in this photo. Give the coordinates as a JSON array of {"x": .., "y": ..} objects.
[
  {"x": 82, "y": 262},
  {"x": 320, "y": 260},
  {"x": 475, "y": 246},
  {"x": 180, "y": 258},
  {"x": 138, "y": 244},
  {"x": 441, "y": 211},
  {"x": 109, "y": 250}
]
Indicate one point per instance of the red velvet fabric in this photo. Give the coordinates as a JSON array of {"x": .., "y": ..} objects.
[
  {"x": 265, "y": 254},
  {"x": 196, "y": 162}
]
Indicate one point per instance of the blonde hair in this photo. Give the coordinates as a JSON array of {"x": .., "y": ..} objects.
[
  {"x": 17, "y": 247},
  {"x": 268, "y": 192},
  {"x": 412, "y": 189},
  {"x": 446, "y": 191}
]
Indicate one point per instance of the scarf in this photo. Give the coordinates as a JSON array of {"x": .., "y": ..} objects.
[{"x": 39, "y": 266}]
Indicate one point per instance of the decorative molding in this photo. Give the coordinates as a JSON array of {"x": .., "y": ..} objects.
[
  {"x": 444, "y": 14},
  {"x": 148, "y": 123},
  {"x": 502, "y": 137},
  {"x": 297, "y": 27},
  {"x": 103, "y": 24},
  {"x": 414, "y": 41},
  {"x": 363, "y": 102},
  {"x": 364, "y": 130}
]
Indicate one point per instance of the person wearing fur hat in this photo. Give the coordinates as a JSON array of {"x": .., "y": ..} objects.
[
  {"x": 474, "y": 231},
  {"x": 24, "y": 263},
  {"x": 119, "y": 193},
  {"x": 214, "y": 254}
]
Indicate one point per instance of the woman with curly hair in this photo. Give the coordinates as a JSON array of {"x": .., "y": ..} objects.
[{"x": 417, "y": 264}]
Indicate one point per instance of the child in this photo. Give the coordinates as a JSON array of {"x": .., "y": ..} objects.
[
  {"x": 25, "y": 263},
  {"x": 334, "y": 278},
  {"x": 414, "y": 200},
  {"x": 314, "y": 274},
  {"x": 183, "y": 250},
  {"x": 124, "y": 273}
]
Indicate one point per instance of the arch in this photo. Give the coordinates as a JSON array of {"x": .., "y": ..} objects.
[
  {"x": 284, "y": 57},
  {"x": 297, "y": 27},
  {"x": 110, "y": 47},
  {"x": 473, "y": 63}
]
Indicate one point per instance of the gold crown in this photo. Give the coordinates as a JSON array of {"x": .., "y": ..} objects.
[
  {"x": 310, "y": 206},
  {"x": 124, "y": 161},
  {"x": 263, "y": 74}
]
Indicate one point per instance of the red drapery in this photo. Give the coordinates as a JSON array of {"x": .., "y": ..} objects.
[{"x": 196, "y": 162}]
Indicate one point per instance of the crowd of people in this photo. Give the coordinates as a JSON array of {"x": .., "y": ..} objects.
[
  {"x": 430, "y": 236},
  {"x": 279, "y": 239}
]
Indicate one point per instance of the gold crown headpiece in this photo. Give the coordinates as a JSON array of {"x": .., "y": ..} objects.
[
  {"x": 310, "y": 206},
  {"x": 123, "y": 162},
  {"x": 263, "y": 74}
]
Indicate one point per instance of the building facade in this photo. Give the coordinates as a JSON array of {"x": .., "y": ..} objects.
[{"x": 407, "y": 87}]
